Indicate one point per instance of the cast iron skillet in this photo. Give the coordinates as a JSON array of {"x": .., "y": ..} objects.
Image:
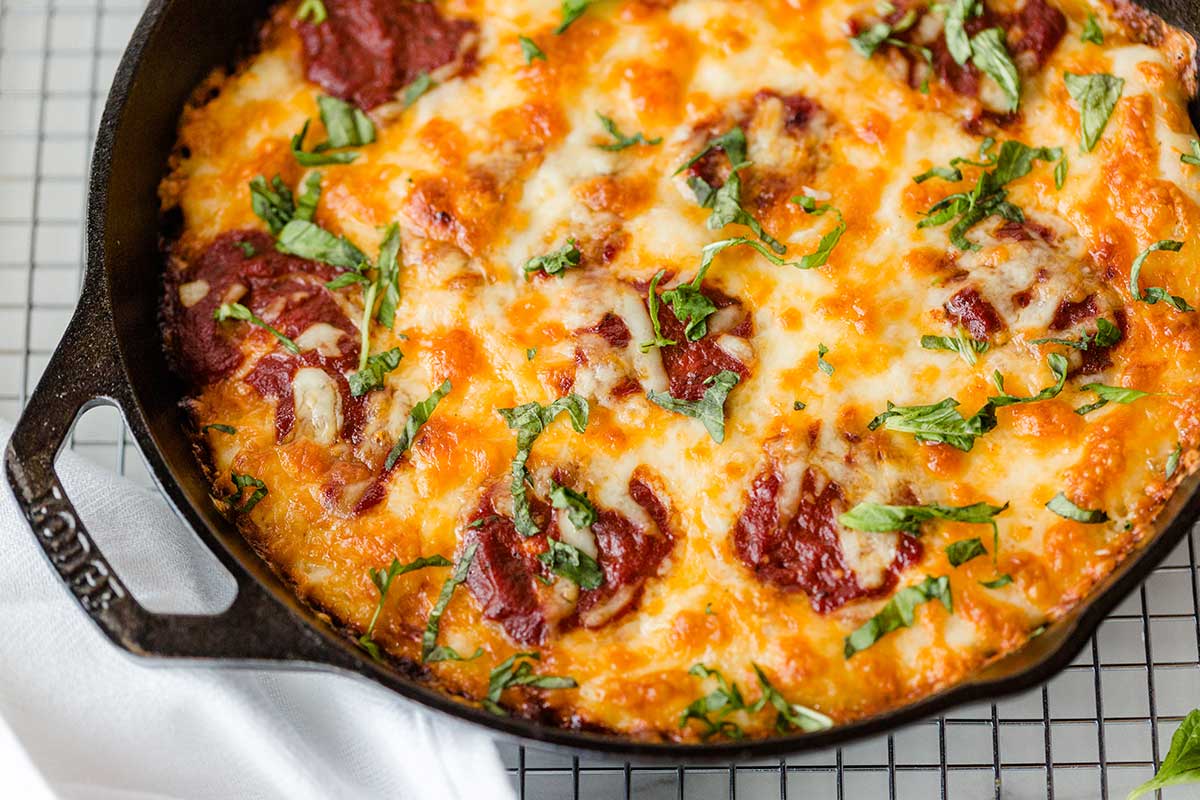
[{"x": 112, "y": 354}]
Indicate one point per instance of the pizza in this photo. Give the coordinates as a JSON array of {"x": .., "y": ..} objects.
[{"x": 691, "y": 369}]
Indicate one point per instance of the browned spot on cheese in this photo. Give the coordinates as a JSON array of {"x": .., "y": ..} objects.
[
  {"x": 453, "y": 355},
  {"x": 624, "y": 196}
]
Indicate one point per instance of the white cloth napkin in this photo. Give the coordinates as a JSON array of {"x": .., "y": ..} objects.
[{"x": 80, "y": 718}]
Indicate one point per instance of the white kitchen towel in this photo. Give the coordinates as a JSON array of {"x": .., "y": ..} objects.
[{"x": 97, "y": 723}]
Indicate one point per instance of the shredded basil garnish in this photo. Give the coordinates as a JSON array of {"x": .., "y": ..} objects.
[
  {"x": 528, "y": 421},
  {"x": 822, "y": 364},
  {"x": 710, "y": 409},
  {"x": 419, "y": 86},
  {"x": 965, "y": 346},
  {"x": 990, "y": 54},
  {"x": 371, "y": 376},
  {"x": 962, "y": 551},
  {"x": 1097, "y": 96},
  {"x": 530, "y": 50},
  {"x": 1091, "y": 30},
  {"x": 429, "y": 645},
  {"x": 273, "y": 203},
  {"x": 1106, "y": 335},
  {"x": 652, "y": 302},
  {"x": 420, "y": 414},
  {"x": 790, "y": 715},
  {"x": 1154, "y": 294},
  {"x": 517, "y": 671},
  {"x": 382, "y": 578},
  {"x": 1173, "y": 461},
  {"x": 623, "y": 141},
  {"x": 1192, "y": 158},
  {"x": 227, "y": 429},
  {"x": 571, "y": 11},
  {"x": 1060, "y": 504},
  {"x": 1109, "y": 394},
  {"x": 725, "y": 699},
  {"x": 573, "y": 564},
  {"x": 579, "y": 508},
  {"x": 899, "y": 613},
  {"x": 345, "y": 126},
  {"x": 311, "y": 11},
  {"x": 555, "y": 262},
  {"x": 240, "y": 312},
  {"x": 241, "y": 483},
  {"x": 880, "y": 518},
  {"x": 306, "y": 239}
]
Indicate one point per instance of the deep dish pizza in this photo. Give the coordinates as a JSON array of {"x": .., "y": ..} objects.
[{"x": 707, "y": 368}]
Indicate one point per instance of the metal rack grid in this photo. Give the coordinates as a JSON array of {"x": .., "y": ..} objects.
[{"x": 1097, "y": 730}]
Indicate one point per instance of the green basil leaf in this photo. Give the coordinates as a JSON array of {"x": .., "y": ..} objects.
[
  {"x": 579, "y": 509},
  {"x": 962, "y": 344},
  {"x": 571, "y": 11},
  {"x": 1182, "y": 764},
  {"x": 240, "y": 312},
  {"x": 420, "y": 414},
  {"x": 388, "y": 277},
  {"x": 1058, "y": 366},
  {"x": 311, "y": 11},
  {"x": 1060, "y": 504},
  {"x": 372, "y": 376},
  {"x": 939, "y": 423},
  {"x": 445, "y": 652},
  {"x": 242, "y": 482},
  {"x": 880, "y": 518},
  {"x": 899, "y": 613},
  {"x": 964, "y": 550},
  {"x": 623, "y": 141},
  {"x": 1097, "y": 96},
  {"x": 383, "y": 581},
  {"x": 272, "y": 203},
  {"x": 732, "y": 143},
  {"x": 1193, "y": 157},
  {"x": 822, "y": 364},
  {"x": 1091, "y": 30},
  {"x": 530, "y": 50},
  {"x": 1155, "y": 294},
  {"x": 573, "y": 564},
  {"x": 419, "y": 86},
  {"x": 229, "y": 429},
  {"x": 1060, "y": 173},
  {"x": 710, "y": 409},
  {"x": 945, "y": 173},
  {"x": 517, "y": 671},
  {"x": 867, "y": 42},
  {"x": 1106, "y": 335},
  {"x": 799, "y": 405},
  {"x": 248, "y": 250},
  {"x": 317, "y": 158},
  {"x": 310, "y": 195},
  {"x": 1109, "y": 394},
  {"x": 556, "y": 262},
  {"x": 954, "y": 28},
  {"x": 990, "y": 54},
  {"x": 347, "y": 279},
  {"x": 308, "y": 240},
  {"x": 725, "y": 699},
  {"x": 1173, "y": 461},
  {"x": 345, "y": 124},
  {"x": 528, "y": 421},
  {"x": 652, "y": 302},
  {"x": 998, "y": 582},
  {"x": 459, "y": 576},
  {"x": 692, "y": 307},
  {"x": 820, "y": 256},
  {"x": 790, "y": 715}
]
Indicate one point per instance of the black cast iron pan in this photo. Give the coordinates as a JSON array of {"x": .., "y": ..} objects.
[{"x": 112, "y": 354}]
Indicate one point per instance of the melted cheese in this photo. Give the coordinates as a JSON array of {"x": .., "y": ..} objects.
[{"x": 508, "y": 155}]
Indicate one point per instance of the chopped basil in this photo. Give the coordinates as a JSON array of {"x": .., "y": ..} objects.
[
  {"x": 571, "y": 11},
  {"x": 1182, "y": 764},
  {"x": 622, "y": 141},
  {"x": 799, "y": 405},
  {"x": 880, "y": 518},
  {"x": 822, "y": 364},
  {"x": 229, "y": 429},
  {"x": 420, "y": 414},
  {"x": 530, "y": 50},
  {"x": 272, "y": 203},
  {"x": 1193, "y": 157},
  {"x": 966, "y": 347},
  {"x": 998, "y": 582},
  {"x": 247, "y": 249},
  {"x": 240, "y": 312},
  {"x": 383, "y": 581},
  {"x": 898, "y": 613},
  {"x": 306, "y": 239},
  {"x": 528, "y": 421},
  {"x": 652, "y": 301},
  {"x": 371, "y": 376},
  {"x": 820, "y": 256},
  {"x": 1173, "y": 461},
  {"x": 1091, "y": 30},
  {"x": 951, "y": 174},
  {"x": 1060, "y": 172},
  {"x": 555, "y": 262},
  {"x": 579, "y": 509},
  {"x": 573, "y": 564},
  {"x": 310, "y": 195},
  {"x": 790, "y": 715},
  {"x": 510, "y": 673},
  {"x": 1106, "y": 335},
  {"x": 867, "y": 42},
  {"x": 710, "y": 409},
  {"x": 1107, "y": 394},
  {"x": 1154, "y": 294},
  {"x": 1060, "y": 504},
  {"x": 419, "y": 86},
  {"x": 990, "y": 55},
  {"x": 348, "y": 279},
  {"x": 1058, "y": 366},
  {"x": 939, "y": 423},
  {"x": 311, "y": 11},
  {"x": 345, "y": 126},
  {"x": 964, "y": 550},
  {"x": 732, "y": 143},
  {"x": 530, "y": 352},
  {"x": 388, "y": 277},
  {"x": 431, "y": 651},
  {"x": 317, "y": 158},
  {"x": 242, "y": 482},
  {"x": 1097, "y": 96},
  {"x": 988, "y": 197},
  {"x": 691, "y": 306},
  {"x": 725, "y": 699}
]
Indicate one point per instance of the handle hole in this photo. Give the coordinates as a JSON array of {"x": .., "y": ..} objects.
[{"x": 159, "y": 560}]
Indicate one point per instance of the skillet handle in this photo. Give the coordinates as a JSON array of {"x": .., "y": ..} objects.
[{"x": 85, "y": 372}]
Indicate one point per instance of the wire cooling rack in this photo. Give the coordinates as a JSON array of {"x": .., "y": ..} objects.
[{"x": 1098, "y": 729}]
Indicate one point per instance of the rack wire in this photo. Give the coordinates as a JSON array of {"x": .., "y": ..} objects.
[{"x": 1098, "y": 729}]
